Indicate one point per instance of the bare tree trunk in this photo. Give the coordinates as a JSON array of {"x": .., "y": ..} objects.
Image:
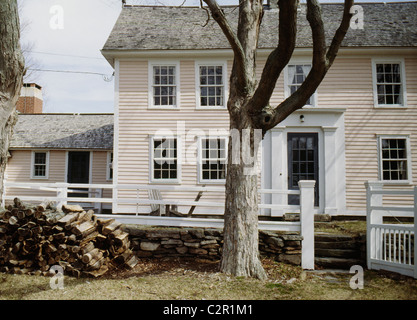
[
  {"x": 11, "y": 77},
  {"x": 240, "y": 255},
  {"x": 249, "y": 109}
]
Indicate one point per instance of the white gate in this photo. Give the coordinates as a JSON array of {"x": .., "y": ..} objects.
[{"x": 390, "y": 247}]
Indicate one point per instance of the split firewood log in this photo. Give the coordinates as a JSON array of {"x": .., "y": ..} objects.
[
  {"x": 68, "y": 219},
  {"x": 111, "y": 227},
  {"x": 72, "y": 208}
]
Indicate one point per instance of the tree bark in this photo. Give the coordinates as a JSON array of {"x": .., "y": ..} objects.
[
  {"x": 240, "y": 255},
  {"x": 11, "y": 77},
  {"x": 249, "y": 110}
]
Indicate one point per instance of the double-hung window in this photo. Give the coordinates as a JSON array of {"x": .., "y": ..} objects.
[
  {"x": 40, "y": 165},
  {"x": 213, "y": 160},
  {"x": 164, "y": 159},
  {"x": 211, "y": 81},
  {"x": 394, "y": 159},
  {"x": 389, "y": 83},
  {"x": 164, "y": 85},
  {"x": 295, "y": 76}
]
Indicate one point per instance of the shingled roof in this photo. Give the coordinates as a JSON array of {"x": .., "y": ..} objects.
[
  {"x": 182, "y": 28},
  {"x": 63, "y": 131}
]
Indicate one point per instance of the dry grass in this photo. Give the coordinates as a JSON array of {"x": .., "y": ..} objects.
[
  {"x": 352, "y": 227},
  {"x": 196, "y": 280}
]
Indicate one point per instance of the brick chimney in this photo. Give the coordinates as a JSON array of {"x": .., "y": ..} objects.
[{"x": 30, "y": 100}]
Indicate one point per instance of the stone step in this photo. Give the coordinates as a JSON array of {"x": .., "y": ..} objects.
[
  {"x": 337, "y": 263},
  {"x": 328, "y": 237},
  {"x": 350, "y": 244},
  {"x": 337, "y": 253}
]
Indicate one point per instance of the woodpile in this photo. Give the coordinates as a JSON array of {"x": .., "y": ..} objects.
[{"x": 35, "y": 238}]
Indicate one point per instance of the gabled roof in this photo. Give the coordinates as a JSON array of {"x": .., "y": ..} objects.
[
  {"x": 182, "y": 28},
  {"x": 63, "y": 131}
]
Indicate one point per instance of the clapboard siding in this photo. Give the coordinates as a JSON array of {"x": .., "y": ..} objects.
[
  {"x": 137, "y": 123},
  {"x": 363, "y": 122},
  {"x": 19, "y": 167},
  {"x": 347, "y": 85}
]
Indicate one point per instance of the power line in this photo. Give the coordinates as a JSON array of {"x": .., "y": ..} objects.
[
  {"x": 65, "y": 55},
  {"x": 106, "y": 77}
]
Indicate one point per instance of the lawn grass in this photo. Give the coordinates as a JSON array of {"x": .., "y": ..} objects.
[{"x": 193, "y": 280}]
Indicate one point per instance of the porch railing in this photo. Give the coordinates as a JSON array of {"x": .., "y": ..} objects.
[{"x": 390, "y": 246}]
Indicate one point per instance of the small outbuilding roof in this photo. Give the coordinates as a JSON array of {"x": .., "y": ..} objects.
[
  {"x": 182, "y": 28},
  {"x": 63, "y": 131}
]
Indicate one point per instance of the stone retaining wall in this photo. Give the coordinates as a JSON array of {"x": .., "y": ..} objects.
[{"x": 206, "y": 243}]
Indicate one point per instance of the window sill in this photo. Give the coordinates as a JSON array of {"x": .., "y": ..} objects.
[
  {"x": 163, "y": 108},
  {"x": 156, "y": 182},
  {"x": 396, "y": 183},
  {"x": 211, "y": 182},
  {"x": 211, "y": 108},
  {"x": 389, "y": 106}
]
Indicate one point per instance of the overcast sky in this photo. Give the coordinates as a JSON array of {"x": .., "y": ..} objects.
[{"x": 67, "y": 35}]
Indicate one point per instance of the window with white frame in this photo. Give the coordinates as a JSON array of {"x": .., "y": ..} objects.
[
  {"x": 212, "y": 85},
  {"x": 394, "y": 158},
  {"x": 213, "y": 159},
  {"x": 296, "y": 74},
  {"x": 388, "y": 84},
  {"x": 40, "y": 165},
  {"x": 164, "y": 159},
  {"x": 164, "y": 85}
]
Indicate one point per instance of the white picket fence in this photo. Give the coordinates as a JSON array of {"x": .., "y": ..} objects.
[
  {"x": 390, "y": 247},
  {"x": 306, "y": 208}
]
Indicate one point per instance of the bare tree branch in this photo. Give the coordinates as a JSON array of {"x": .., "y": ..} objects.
[
  {"x": 278, "y": 58},
  {"x": 322, "y": 61},
  {"x": 218, "y": 15},
  {"x": 340, "y": 33},
  {"x": 208, "y": 13}
]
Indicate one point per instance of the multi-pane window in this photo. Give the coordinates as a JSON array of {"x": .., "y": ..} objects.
[
  {"x": 164, "y": 85},
  {"x": 165, "y": 159},
  {"x": 394, "y": 159},
  {"x": 297, "y": 73},
  {"x": 213, "y": 159},
  {"x": 40, "y": 165},
  {"x": 211, "y": 86},
  {"x": 389, "y": 84}
]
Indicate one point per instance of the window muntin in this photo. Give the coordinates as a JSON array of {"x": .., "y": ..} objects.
[
  {"x": 164, "y": 85},
  {"x": 211, "y": 81},
  {"x": 165, "y": 159},
  {"x": 296, "y": 74},
  {"x": 389, "y": 87},
  {"x": 394, "y": 159},
  {"x": 213, "y": 159}
]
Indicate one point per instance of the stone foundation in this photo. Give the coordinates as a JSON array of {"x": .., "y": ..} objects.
[{"x": 206, "y": 243}]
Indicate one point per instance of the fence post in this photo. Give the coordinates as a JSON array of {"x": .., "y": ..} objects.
[
  {"x": 62, "y": 195},
  {"x": 307, "y": 223},
  {"x": 98, "y": 193},
  {"x": 372, "y": 217}
]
